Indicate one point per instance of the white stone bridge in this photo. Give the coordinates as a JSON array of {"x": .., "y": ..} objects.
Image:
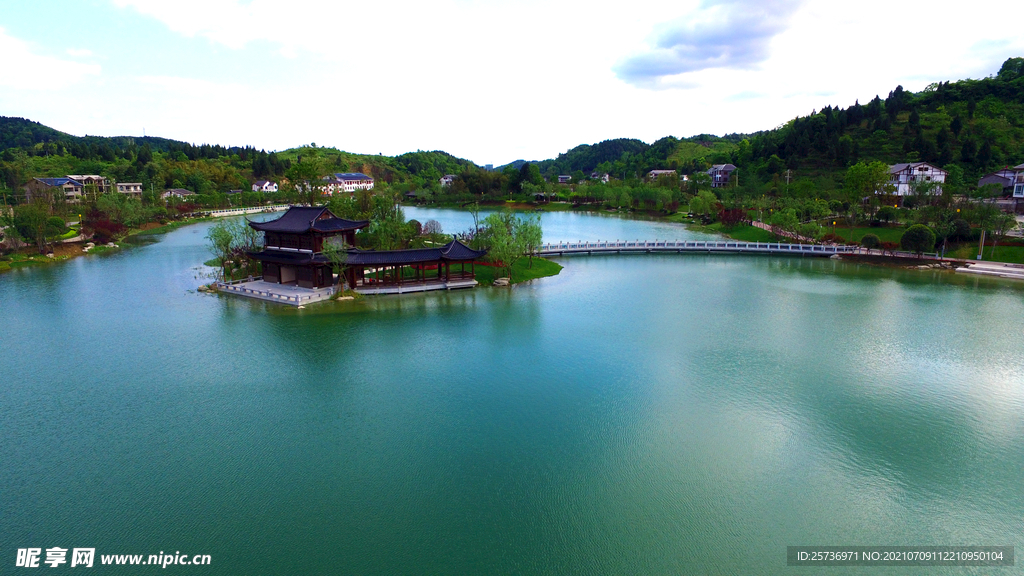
[{"x": 692, "y": 246}]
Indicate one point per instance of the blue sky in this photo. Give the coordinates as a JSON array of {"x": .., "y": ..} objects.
[{"x": 484, "y": 80}]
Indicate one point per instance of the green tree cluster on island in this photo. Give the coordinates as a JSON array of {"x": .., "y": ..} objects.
[
  {"x": 509, "y": 237},
  {"x": 231, "y": 241}
]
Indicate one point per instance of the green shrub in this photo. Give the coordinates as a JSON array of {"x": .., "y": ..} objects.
[
  {"x": 918, "y": 238},
  {"x": 870, "y": 241}
]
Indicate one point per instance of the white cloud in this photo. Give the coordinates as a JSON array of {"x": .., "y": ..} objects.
[
  {"x": 25, "y": 69},
  {"x": 720, "y": 34},
  {"x": 79, "y": 52},
  {"x": 495, "y": 81}
]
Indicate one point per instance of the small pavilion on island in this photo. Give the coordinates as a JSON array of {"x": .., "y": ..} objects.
[
  {"x": 415, "y": 268},
  {"x": 293, "y": 245},
  {"x": 296, "y": 270}
]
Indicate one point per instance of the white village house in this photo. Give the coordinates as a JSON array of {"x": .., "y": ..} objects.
[
  {"x": 1018, "y": 181},
  {"x": 130, "y": 188},
  {"x": 903, "y": 176},
  {"x": 93, "y": 182},
  {"x": 655, "y": 174},
  {"x": 265, "y": 186},
  {"x": 447, "y": 180},
  {"x": 352, "y": 181},
  {"x": 179, "y": 193}
]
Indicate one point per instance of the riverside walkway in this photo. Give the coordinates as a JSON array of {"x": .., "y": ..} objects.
[
  {"x": 692, "y": 246},
  {"x": 243, "y": 211}
]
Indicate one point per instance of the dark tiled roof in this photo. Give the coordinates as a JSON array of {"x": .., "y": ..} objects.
[
  {"x": 352, "y": 176},
  {"x": 339, "y": 225},
  {"x": 300, "y": 219},
  {"x": 59, "y": 181},
  {"x": 454, "y": 251},
  {"x": 389, "y": 257},
  {"x": 897, "y": 168},
  {"x": 995, "y": 179}
]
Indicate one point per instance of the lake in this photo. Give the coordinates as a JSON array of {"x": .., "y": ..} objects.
[{"x": 640, "y": 414}]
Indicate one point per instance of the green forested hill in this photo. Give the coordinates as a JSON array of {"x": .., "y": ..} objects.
[
  {"x": 977, "y": 125},
  {"x": 627, "y": 158}
]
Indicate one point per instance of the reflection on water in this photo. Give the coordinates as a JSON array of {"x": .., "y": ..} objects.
[{"x": 635, "y": 414}]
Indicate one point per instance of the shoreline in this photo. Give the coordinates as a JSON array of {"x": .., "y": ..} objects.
[{"x": 67, "y": 251}]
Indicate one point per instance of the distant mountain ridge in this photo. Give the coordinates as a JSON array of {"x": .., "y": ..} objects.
[{"x": 975, "y": 124}]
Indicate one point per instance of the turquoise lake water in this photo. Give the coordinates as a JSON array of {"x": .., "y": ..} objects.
[{"x": 644, "y": 414}]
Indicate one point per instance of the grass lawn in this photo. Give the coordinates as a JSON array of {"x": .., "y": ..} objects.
[
  {"x": 19, "y": 259},
  {"x": 168, "y": 227},
  {"x": 1013, "y": 254},
  {"x": 485, "y": 275},
  {"x": 884, "y": 234},
  {"x": 555, "y": 207},
  {"x": 969, "y": 251},
  {"x": 521, "y": 271},
  {"x": 742, "y": 232}
]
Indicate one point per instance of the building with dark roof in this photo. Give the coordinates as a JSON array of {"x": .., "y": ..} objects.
[
  {"x": 177, "y": 193},
  {"x": 352, "y": 181},
  {"x": 655, "y": 174},
  {"x": 1018, "y": 181},
  {"x": 904, "y": 176},
  {"x": 47, "y": 187},
  {"x": 1003, "y": 178},
  {"x": 293, "y": 254},
  {"x": 720, "y": 174},
  {"x": 265, "y": 186},
  {"x": 75, "y": 186},
  {"x": 293, "y": 245},
  {"x": 415, "y": 266}
]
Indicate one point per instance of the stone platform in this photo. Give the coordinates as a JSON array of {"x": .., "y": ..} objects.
[
  {"x": 998, "y": 269},
  {"x": 410, "y": 287},
  {"x": 280, "y": 293}
]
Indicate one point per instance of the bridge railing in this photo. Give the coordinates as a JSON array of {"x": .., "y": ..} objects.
[
  {"x": 249, "y": 210},
  {"x": 693, "y": 245}
]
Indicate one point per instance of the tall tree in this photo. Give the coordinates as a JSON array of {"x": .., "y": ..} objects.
[
  {"x": 307, "y": 176},
  {"x": 511, "y": 237}
]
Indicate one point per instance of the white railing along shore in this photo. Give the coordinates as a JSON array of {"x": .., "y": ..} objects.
[
  {"x": 691, "y": 246},
  {"x": 241, "y": 211}
]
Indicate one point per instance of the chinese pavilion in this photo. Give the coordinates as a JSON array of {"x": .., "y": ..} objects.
[
  {"x": 293, "y": 245},
  {"x": 415, "y": 266}
]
